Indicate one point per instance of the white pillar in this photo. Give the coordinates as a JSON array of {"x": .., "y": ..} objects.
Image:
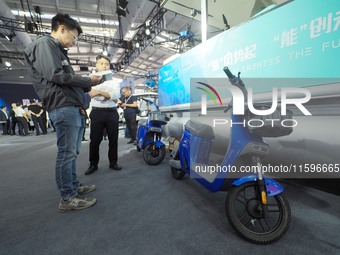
[{"x": 204, "y": 19}]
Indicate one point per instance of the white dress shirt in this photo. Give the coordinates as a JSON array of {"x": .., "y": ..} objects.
[
  {"x": 113, "y": 88},
  {"x": 19, "y": 112}
]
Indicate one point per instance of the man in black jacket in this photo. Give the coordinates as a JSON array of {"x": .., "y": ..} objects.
[
  {"x": 36, "y": 111},
  {"x": 62, "y": 93},
  {"x": 4, "y": 119}
]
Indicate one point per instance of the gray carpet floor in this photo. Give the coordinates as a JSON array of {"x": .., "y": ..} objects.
[{"x": 139, "y": 210}]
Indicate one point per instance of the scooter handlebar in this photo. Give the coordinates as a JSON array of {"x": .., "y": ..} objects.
[
  {"x": 235, "y": 80},
  {"x": 150, "y": 102},
  {"x": 146, "y": 100},
  {"x": 228, "y": 72},
  {"x": 227, "y": 108}
]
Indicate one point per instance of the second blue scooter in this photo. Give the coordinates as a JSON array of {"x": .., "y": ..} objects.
[{"x": 149, "y": 135}]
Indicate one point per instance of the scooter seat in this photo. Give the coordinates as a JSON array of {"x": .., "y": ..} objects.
[{"x": 199, "y": 129}]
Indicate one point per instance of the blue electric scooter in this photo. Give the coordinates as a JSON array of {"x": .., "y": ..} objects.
[
  {"x": 149, "y": 135},
  {"x": 255, "y": 206}
]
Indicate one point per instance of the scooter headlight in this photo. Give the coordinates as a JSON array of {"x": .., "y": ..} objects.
[{"x": 155, "y": 129}]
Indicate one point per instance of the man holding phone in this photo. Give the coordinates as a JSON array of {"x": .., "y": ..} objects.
[
  {"x": 62, "y": 92},
  {"x": 104, "y": 116}
]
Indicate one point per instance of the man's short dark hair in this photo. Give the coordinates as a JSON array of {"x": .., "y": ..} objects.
[
  {"x": 103, "y": 56},
  {"x": 67, "y": 21},
  {"x": 127, "y": 87},
  {"x": 3, "y": 107}
]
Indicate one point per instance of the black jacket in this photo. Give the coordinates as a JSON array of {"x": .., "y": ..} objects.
[
  {"x": 53, "y": 77},
  {"x": 3, "y": 116}
]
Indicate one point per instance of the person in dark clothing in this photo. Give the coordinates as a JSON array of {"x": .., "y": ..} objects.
[
  {"x": 62, "y": 92},
  {"x": 36, "y": 111},
  {"x": 129, "y": 103},
  {"x": 87, "y": 105},
  {"x": 13, "y": 118},
  {"x": 4, "y": 120},
  {"x": 44, "y": 116}
]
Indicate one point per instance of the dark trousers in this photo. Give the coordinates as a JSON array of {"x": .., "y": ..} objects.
[
  {"x": 13, "y": 124},
  {"x": 101, "y": 119},
  {"x": 131, "y": 124},
  {"x": 23, "y": 126},
  {"x": 6, "y": 127},
  {"x": 38, "y": 122}
]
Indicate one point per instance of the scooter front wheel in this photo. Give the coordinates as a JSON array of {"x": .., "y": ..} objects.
[
  {"x": 153, "y": 155},
  {"x": 254, "y": 221},
  {"x": 177, "y": 173}
]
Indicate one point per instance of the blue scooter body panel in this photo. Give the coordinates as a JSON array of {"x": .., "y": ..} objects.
[
  {"x": 158, "y": 143},
  {"x": 142, "y": 135},
  {"x": 272, "y": 187},
  {"x": 240, "y": 137}
]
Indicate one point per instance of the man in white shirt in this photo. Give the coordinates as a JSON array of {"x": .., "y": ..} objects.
[
  {"x": 104, "y": 116},
  {"x": 22, "y": 119}
]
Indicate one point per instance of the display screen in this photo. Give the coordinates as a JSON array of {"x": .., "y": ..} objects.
[{"x": 281, "y": 43}]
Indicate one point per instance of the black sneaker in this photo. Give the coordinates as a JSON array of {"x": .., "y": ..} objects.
[
  {"x": 115, "y": 167},
  {"x": 91, "y": 169},
  {"x": 131, "y": 141}
]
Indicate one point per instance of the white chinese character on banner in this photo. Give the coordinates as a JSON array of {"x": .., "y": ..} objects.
[
  {"x": 337, "y": 21},
  {"x": 228, "y": 59},
  {"x": 289, "y": 38},
  {"x": 320, "y": 24},
  {"x": 250, "y": 52},
  {"x": 238, "y": 56},
  {"x": 324, "y": 24}
]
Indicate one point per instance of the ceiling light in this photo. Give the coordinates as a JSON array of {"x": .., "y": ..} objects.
[
  {"x": 193, "y": 13},
  {"x": 10, "y": 36},
  {"x": 147, "y": 31},
  {"x": 137, "y": 45},
  {"x": 8, "y": 64}
]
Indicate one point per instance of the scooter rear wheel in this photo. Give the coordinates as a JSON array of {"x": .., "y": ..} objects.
[
  {"x": 177, "y": 173},
  {"x": 153, "y": 155},
  {"x": 254, "y": 221}
]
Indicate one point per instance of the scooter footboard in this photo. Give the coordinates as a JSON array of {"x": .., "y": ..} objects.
[
  {"x": 272, "y": 187},
  {"x": 194, "y": 150}
]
